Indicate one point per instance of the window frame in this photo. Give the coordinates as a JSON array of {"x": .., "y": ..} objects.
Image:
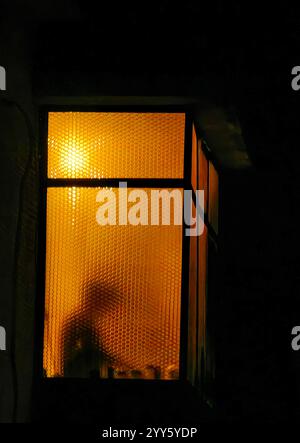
[{"x": 184, "y": 183}]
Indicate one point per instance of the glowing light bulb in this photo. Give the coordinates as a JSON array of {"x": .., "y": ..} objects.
[{"x": 74, "y": 161}]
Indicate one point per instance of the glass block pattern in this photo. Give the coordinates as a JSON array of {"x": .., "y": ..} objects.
[
  {"x": 194, "y": 159},
  {"x": 112, "y": 304},
  {"x": 203, "y": 174},
  {"x": 192, "y": 321},
  {"x": 115, "y": 145},
  {"x": 213, "y": 203},
  {"x": 202, "y": 298}
]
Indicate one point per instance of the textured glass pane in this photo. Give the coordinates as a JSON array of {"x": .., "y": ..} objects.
[
  {"x": 192, "y": 332},
  {"x": 202, "y": 173},
  {"x": 213, "y": 204},
  {"x": 115, "y": 145},
  {"x": 213, "y": 288},
  {"x": 112, "y": 305},
  {"x": 194, "y": 159},
  {"x": 202, "y": 295}
]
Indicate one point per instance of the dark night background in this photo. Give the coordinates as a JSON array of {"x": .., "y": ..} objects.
[{"x": 237, "y": 57}]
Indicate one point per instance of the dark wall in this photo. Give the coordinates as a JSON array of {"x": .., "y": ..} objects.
[
  {"x": 18, "y": 222},
  {"x": 255, "y": 301}
]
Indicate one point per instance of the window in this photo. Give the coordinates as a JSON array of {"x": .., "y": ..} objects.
[
  {"x": 203, "y": 275},
  {"x": 121, "y": 300},
  {"x": 112, "y": 293}
]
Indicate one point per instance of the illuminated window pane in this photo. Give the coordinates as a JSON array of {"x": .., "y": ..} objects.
[
  {"x": 202, "y": 295},
  {"x": 194, "y": 159},
  {"x": 202, "y": 173},
  {"x": 115, "y": 145},
  {"x": 112, "y": 303},
  {"x": 192, "y": 332},
  {"x": 213, "y": 204}
]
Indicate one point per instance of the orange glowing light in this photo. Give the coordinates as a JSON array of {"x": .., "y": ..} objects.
[
  {"x": 74, "y": 160},
  {"x": 112, "y": 293}
]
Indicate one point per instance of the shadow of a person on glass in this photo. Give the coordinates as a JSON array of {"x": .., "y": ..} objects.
[{"x": 83, "y": 352}]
